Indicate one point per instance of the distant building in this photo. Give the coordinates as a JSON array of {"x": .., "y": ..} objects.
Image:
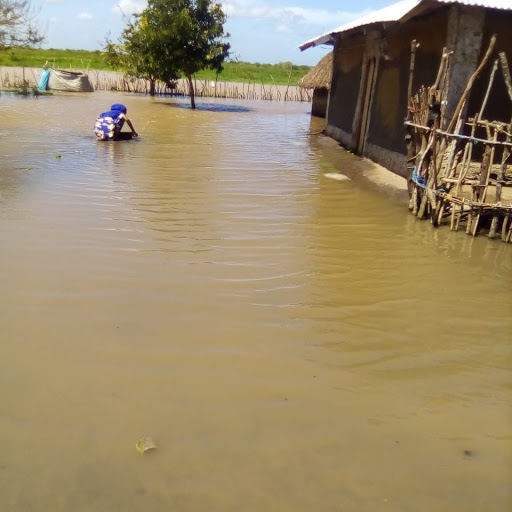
[
  {"x": 319, "y": 79},
  {"x": 368, "y": 96}
]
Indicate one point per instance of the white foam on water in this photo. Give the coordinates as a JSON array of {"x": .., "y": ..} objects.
[{"x": 336, "y": 176}]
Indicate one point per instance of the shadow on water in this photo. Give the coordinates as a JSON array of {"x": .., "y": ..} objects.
[{"x": 210, "y": 107}]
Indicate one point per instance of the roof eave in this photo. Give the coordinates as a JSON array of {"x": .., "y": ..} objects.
[
  {"x": 422, "y": 8},
  {"x": 325, "y": 39},
  {"x": 330, "y": 38}
]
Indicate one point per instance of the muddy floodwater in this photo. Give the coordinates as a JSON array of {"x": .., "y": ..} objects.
[{"x": 290, "y": 342}]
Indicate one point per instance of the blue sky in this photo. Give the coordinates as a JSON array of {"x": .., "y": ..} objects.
[{"x": 266, "y": 31}]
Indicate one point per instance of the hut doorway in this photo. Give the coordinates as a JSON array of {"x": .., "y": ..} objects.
[{"x": 366, "y": 93}]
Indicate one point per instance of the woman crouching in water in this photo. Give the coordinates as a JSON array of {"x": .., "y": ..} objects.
[{"x": 109, "y": 124}]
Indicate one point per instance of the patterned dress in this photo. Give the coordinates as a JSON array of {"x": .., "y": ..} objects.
[
  {"x": 108, "y": 127},
  {"x": 109, "y": 124}
]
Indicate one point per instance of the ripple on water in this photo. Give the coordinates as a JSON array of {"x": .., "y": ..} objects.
[{"x": 210, "y": 284}]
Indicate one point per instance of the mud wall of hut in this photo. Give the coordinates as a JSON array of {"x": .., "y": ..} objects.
[
  {"x": 320, "y": 101},
  {"x": 499, "y": 23},
  {"x": 379, "y": 134},
  {"x": 344, "y": 93},
  {"x": 385, "y": 138},
  {"x": 389, "y": 106}
]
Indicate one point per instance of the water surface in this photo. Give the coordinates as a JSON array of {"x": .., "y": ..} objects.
[{"x": 291, "y": 342}]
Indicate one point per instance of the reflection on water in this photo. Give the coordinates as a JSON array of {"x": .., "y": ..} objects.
[{"x": 290, "y": 341}]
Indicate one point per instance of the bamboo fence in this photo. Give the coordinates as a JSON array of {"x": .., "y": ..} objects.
[{"x": 459, "y": 169}]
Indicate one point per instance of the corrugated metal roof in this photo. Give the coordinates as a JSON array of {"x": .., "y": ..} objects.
[
  {"x": 390, "y": 13},
  {"x": 490, "y": 4},
  {"x": 426, "y": 5},
  {"x": 396, "y": 12}
]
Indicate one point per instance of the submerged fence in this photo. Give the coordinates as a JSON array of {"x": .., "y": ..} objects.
[{"x": 28, "y": 78}]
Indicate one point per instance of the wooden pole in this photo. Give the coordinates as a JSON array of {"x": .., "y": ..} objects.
[
  {"x": 505, "y": 229},
  {"x": 485, "y": 174},
  {"x": 506, "y": 73},
  {"x": 499, "y": 181},
  {"x": 414, "y": 47},
  {"x": 462, "y": 101},
  {"x": 489, "y": 87}
]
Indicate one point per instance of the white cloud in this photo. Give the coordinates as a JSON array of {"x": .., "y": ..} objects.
[
  {"x": 128, "y": 7},
  {"x": 247, "y": 9},
  {"x": 284, "y": 29},
  {"x": 288, "y": 19},
  {"x": 284, "y": 19},
  {"x": 84, "y": 16},
  {"x": 262, "y": 11}
]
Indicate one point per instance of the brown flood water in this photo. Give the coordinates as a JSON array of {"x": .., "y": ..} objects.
[{"x": 291, "y": 342}]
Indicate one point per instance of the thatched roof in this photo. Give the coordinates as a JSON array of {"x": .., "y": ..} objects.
[{"x": 320, "y": 76}]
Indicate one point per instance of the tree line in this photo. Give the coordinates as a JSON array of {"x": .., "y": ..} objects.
[{"x": 167, "y": 40}]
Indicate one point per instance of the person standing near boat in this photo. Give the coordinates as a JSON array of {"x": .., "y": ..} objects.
[{"x": 109, "y": 124}]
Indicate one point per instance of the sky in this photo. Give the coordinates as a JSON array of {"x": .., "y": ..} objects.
[{"x": 265, "y": 31}]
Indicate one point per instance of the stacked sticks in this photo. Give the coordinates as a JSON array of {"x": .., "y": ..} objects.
[{"x": 459, "y": 168}]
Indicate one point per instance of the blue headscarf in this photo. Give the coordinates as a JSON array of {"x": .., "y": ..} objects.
[{"x": 115, "y": 110}]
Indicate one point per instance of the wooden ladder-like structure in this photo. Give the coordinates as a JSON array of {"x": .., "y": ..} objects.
[{"x": 459, "y": 171}]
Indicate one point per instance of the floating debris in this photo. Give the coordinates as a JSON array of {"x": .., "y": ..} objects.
[
  {"x": 145, "y": 444},
  {"x": 336, "y": 176}
]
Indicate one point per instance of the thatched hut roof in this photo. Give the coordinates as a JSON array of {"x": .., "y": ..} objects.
[{"x": 320, "y": 76}]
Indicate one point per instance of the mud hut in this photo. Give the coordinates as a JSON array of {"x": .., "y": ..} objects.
[
  {"x": 424, "y": 88},
  {"x": 319, "y": 79},
  {"x": 369, "y": 91}
]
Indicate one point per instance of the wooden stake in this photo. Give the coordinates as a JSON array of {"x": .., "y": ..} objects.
[
  {"x": 499, "y": 181},
  {"x": 489, "y": 86},
  {"x": 458, "y": 110},
  {"x": 485, "y": 174},
  {"x": 414, "y": 47},
  {"x": 506, "y": 73}
]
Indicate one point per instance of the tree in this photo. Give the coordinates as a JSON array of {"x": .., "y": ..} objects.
[
  {"x": 18, "y": 27},
  {"x": 135, "y": 57},
  {"x": 179, "y": 36}
]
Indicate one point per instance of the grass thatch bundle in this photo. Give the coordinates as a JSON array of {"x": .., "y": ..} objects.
[{"x": 320, "y": 76}]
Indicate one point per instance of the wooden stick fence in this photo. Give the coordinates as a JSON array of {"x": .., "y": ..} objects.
[
  {"x": 203, "y": 88},
  {"x": 459, "y": 170}
]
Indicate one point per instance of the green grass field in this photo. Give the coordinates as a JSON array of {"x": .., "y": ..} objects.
[{"x": 277, "y": 74}]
